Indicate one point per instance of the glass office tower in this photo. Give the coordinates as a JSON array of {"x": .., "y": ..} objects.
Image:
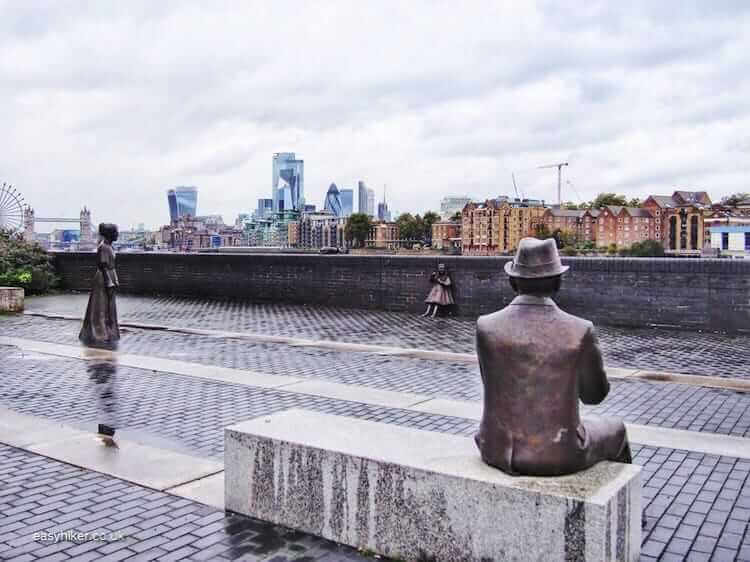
[
  {"x": 288, "y": 182},
  {"x": 172, "y": 202},
  {"x": 183, "y": 201},
  {"x": 347, "y": 202},
  {"x": 362, "y": 197},
  {"x": 333, "y": 201}
]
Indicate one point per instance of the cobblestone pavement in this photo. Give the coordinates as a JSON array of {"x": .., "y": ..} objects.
[
  {"x": 44, "y": 496},
  {"x": 668, "y": 405},
  {"x": 693, "y": 502},
  {"x": 701, "y": 353},
  {"x": 697, "y": 506}
]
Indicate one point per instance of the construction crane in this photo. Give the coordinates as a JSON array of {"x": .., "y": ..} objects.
[{"x": 559, "y": 178}]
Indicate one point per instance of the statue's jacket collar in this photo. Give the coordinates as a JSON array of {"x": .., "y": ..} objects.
[{"x": 533, "y": 300}]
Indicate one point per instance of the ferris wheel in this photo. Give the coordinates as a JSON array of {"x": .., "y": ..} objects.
[{"x": 11, "y": 207}]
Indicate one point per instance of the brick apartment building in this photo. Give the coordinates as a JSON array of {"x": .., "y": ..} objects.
[
  {"x": 624, "y": 225},
  {"x": 496, "y": 226},
  {"x": 680, "y": 223},
  {"x": 383, "y": 235},
  {"x": 444, "y": 234}
]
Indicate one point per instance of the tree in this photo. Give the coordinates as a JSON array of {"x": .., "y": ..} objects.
[
  {"x": 428, "y": 220},
  {"x": 734, "y": 199},
  {"x": 357, "y": 229},
  {"x": 645, "y": 249},
  {"x": 564, "y": 238},
  {"x": 457, "y": 216},
  {"x": 542, "y": 232},
  {"x": 570, "y": 206},
  {"x": 604, "y": 199},
  {"x": 407, "y": 226},
  {"x": 24, "y": 264},
  {"x": 634, "y": 202}
]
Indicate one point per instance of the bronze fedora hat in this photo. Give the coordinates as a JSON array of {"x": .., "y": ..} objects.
[{"x": 536, "y": 259}]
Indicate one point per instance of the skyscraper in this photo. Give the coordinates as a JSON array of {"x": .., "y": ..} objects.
[
  {"x": 370, "y": 202},
  {"x": 333, "y": 201},
  {"x": 183, "y": 201},
  {"x": 452, "y": 204},
  {"x": 361, "y": 197},
  {"x": 383, "y": 213},
  {"x": 265, "y": 208},
  {"x": 172, "y": 202},
  {"x": 347, "y": 202},
  {"x": 288, "y": 182}
]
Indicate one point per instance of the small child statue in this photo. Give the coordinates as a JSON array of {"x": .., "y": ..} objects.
[{"x": 440, "y": 294}]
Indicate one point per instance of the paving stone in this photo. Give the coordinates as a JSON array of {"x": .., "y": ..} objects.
[
  {"x": 219, "y": 532},
  {"x": 647, "y": 348},
  {"x": 690, "y": 498}
]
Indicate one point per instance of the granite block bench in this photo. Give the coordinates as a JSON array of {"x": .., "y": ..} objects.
[
  {"x": 11, "y": 299},
  {"x": 412, "y": 494}
]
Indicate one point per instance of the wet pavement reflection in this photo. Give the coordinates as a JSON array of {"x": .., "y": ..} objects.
[{"x": 102, "y": 371}]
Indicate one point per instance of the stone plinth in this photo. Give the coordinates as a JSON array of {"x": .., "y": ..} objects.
[
  {"x": 11, "y": 299},
  {"x": 414, "y": 494}
]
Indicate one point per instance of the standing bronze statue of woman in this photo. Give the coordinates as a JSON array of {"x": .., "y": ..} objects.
[
  {"x": 100, "y": 327},
  {"x": 440, "y": 294}
]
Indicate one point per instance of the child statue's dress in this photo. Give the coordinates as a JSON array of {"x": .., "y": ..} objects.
[{"x": 441, "y": 291}]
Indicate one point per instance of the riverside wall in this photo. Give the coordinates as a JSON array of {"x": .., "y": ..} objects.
[{"x": 710, "y": 294}]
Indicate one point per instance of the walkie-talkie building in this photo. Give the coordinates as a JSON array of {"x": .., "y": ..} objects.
[
  {"x": 183, "y": 201},
  {"x": 288, "y": 187}
]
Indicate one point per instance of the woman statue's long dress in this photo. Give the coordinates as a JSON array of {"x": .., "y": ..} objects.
[{"x": 100, "y": 326}]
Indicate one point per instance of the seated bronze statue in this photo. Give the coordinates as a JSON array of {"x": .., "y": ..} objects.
[{"x": 536, "y": 362}]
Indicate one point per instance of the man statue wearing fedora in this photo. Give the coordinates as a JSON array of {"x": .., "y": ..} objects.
[{"x": 536, "y": 362}]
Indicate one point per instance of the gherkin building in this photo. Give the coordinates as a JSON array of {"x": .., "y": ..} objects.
[{"x": 333, "y": 201}]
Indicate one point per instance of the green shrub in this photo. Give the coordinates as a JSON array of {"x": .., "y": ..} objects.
[
  {"x": 612, "y": 249},
  {"x": 24, "y": 264},
  {"x": 569, "y": 251},
  {"x": 647, "y": 249}
]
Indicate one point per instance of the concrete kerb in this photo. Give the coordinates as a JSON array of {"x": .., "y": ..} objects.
[{"x": 132, "y": 461}]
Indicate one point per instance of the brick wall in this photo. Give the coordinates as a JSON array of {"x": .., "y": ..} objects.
[{"x": 692, "y": 293}]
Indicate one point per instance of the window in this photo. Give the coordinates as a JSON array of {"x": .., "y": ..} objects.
[
  {"x": 724, "y": 240},
  {"x": 747, "y": 241}
]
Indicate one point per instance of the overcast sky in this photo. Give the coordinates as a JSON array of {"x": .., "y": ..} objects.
[{"x": 110, "y": 103}]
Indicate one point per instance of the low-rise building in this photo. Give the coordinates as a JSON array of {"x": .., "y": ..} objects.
[
  {"x": 321, "y": 230},
  {"x": 293, "y": 233},
  {"x": 444, "y": 233},
  {"x": 384, "y": 235},
  {"x": 570, "y": 221},
  {"x": 731, "y": 240},
  {"x": 679, "y": 220}
]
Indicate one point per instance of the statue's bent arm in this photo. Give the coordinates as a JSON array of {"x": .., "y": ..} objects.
[{"x": 593, "y": 385}]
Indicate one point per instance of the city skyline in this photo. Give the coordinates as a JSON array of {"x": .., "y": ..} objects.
[{"x": 487, "y": 100}]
